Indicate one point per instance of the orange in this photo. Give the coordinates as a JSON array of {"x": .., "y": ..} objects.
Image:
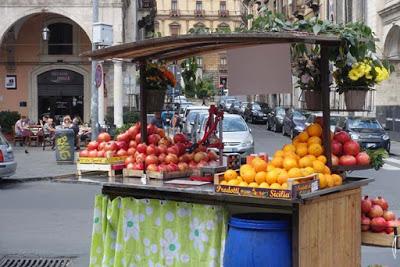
[
  {"x": 294, "y": 172},
  {"x": 279, "y": 153},
  {"x": 322, "y": 181},
  {"x": 337, "y": 179},
  {"x": 329, "y": 180},
  {"x": 315, "y": 150},
  {"x": 270, "y": 167},
  {"x": 301, "y": 151},
  {"x": 223, "y": 182},
  {"x": 327, "y": 170},
  {"x": 275, "y": 186},
  {"x": 277, "y": 162},
  {"x": 303, "y": 136},
  {"x": 290, "y": 154},
  {"x": 243, "y": 183},
  {"x": 230, "y": 175},
  {"x": 234, "y": 182},
  {"x": 301, "y": 144},
  {"x": 284, "y": 186},
  {"x": 264, "y": 185},
  {"x": 272, "y": 176},
  {"x": 305, "y": 162},
  {"x": 322, "y": 158},
  {"x": 289, "y": 163},
  {"x": 307, "y": 171},
  {"x": 289, "y": 147},
  {"x": 259, "y": 164},
  {"x": 239, "y": 178},
  {"x": 282, "y": 177},
  {"x": 253, "y": 184},
  {"x": 295, "y": 140},
  {"x": 318, "y": 166},
  {"x": 314, "y": 140},
  {"x": 260, "y": 177},
  {"x": 245, "y": 167},
  {"x": 314, "y": 130},
  {"x": 248, "y": 175}
]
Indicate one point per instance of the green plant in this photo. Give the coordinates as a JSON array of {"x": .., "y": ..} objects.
[
  {"x": 8, "y": 120},
  {"x": 130, "y": 117},
  {"x": 205, "y": 88},
  {"x": 377, "y": 157},
  {"x": 189, "y": 69}
]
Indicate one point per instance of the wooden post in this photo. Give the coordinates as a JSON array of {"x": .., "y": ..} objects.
[
  {"x": 326, "y": 110},
  {"x": 143, "y": 108}
]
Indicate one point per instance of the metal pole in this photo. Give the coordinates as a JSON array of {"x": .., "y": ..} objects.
[
  {"x": 94, "y": 113},
  {"x": 143, "y": 108},
  {"x": 326, "y": 112}
]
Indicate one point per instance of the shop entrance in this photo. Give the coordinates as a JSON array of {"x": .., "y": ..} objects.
[{"x": 60, "y": 93}]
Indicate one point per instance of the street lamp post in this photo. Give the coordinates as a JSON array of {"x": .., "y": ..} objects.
[{"x": 94, "y": 113}]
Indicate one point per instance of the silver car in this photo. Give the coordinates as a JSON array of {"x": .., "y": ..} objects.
[
  {"x": 8, "y": 165},
  {"x": 190, "y": 121},
  {"x": 236, "y": 135}
]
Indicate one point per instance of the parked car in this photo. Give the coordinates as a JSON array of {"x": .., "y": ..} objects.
[
  {"x": 293, "y": 122},
  {"x": 264, "y": 107},
  {"x": 190, "y": 121},
  {"x": 253, "y": 113},
  {"x": 227, "y": 103},
  {"x": 275, "y": 119},
  {"x": 235, "y": 107},
  {"x": 188, "y": 109},
  {"x": 8, "y": 165},
  {"x": 242, "y": 108},
  {"x": 197, "y": 125},
  {"x": 368, "y": 132},
  {"x": 236, "y": 136}
]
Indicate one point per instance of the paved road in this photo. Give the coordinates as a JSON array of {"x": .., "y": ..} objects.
[{"x": 48, "y": 218}]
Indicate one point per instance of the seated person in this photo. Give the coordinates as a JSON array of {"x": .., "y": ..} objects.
[{"x": 22, "y": 130}]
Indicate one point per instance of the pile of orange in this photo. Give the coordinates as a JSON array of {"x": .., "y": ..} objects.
[{"x": 303, "y": 157}]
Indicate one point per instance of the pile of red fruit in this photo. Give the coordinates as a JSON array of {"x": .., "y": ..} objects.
[
  {"x": 160, "y": 153},
  {"x": 376, "y": 217},
  {"x": 346, "y": 151}
]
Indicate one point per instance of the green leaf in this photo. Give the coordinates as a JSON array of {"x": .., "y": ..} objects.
[{"x": 316, "y": 29}]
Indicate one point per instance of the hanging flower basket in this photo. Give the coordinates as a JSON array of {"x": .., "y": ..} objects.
[
  {"x": 355, "y": 98},
  {"x": 313, "y": 99},
  {"x": 155, "y": 100}
]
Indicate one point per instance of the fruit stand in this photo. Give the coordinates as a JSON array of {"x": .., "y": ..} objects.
[{"x": 136, "y": 221}]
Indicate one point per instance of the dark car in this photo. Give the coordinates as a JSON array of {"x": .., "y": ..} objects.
[
  {"x": 294, "y": 122},
  {"x": 368, "y": 132},
  {"x": 275, "y": 119},
  {"x": 253, "y": 113},
  {"x": 264, "y": 107},
  {"x": 242, "y": 108},
  {"x": 235, "y": 107}
]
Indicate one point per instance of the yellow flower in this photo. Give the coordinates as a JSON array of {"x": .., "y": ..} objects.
[{"x": 354, "y": 75}]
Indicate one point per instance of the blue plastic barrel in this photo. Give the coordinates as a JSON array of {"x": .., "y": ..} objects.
[{"x": 259, "y": 240}]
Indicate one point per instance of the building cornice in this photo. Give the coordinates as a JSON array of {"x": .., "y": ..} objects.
[
  {"x": 72, "y": 3},
  {"x": 390, "y": 13}
]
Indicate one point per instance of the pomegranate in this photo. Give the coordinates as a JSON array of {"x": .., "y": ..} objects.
[
  {"x": 122, "y": 145},
  {"x": 123, "y": 137},
  {"x": 181, "y": 148},
  {"x": 161, "y": 157},
  {"x": 365, "y": 223},
  {"x": 151, "y": 129},
  {"x": 378, "y": 224},
  {"x": 337, "y": 148},
  {"x": 131, "y": 151},
  {"x": 152, "y": 150},
  {"x": 111, "y": 146},
  {"x": 184, "y": 158},
  {"x": 362, "y": 158},
  {"x": 351, "y": 148},
  {"x": 342, "y": 137},
  {"x": 153, "y": 139},
  {"x": 172, "y": 167},
  {"x": 335, "y": 160},
  {"x": 192, "y": 165},
  {"x": 130, "y": 166},
  {"x": 130, "y": 159},
  {"x": 173, "y": 150},
  {"x": 138, "y": 166},
  {"x": 142, "y": 148},
  {"x": 152, "y": 167},
  {"x": 165, "y": 141},
  {"x": 202, "y": 163},
  {"x": 84, "y": 153},
  {"x": 132, "y": 143},
  {"x": 183, "y": 166},
  {"x": 366, "y": 204},
  {"x": 101, "y": 146},
  {"x": 389, "y": 215},
  {"x": 138, "y": 138},
  {"x": 100, "y": 153},
  {"x": 347, "y": 160},
  {"x": 162, "y": 149},
  {"x": 109, "y": 153},
  {"x": 93, "y": 145},
  {"x": 212, "y": 155},
  {"x": 199, "y": 156},
  {"x": 171, "y": 158},
  {"x": 381, "y": 202},
  {"x": 151, "y": 159},
  {"x": 179, "y": 138},
  {"x": 161, "y": 132},
  {"x": 163, "y": 167},
  {"x": 121, "y": 153},
  {"x": 140, "y": 158},
  {"x": 376, "y": 211},
  {"x": 133, "y": 131},
  {"x": 104, "y": 137},
  {"x": 390, "y": 226},
  {"x": 93, "y": 154}
]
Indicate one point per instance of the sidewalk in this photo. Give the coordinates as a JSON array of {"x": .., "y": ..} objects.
[{"x": 39, "y": 164}]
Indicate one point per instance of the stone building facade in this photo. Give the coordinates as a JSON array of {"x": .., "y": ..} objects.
[{"x": 49, "y": 76}]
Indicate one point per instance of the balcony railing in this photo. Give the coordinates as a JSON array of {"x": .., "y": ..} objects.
[
  {"x": 199, "y": 12},
  {"x": 175, "y": 13},
  {"x": 223, "y": 13},
  {"x": 146, "y": 3},
  {"x": 223, "y": 67}
]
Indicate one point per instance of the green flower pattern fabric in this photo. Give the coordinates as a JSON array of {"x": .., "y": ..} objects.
[{"x": 131, "y": 232}]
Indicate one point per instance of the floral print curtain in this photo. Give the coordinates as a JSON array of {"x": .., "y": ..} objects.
[{"x": 149, "y": 232}]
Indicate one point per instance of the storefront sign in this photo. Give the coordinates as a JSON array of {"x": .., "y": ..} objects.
[{"x": 65, "y": 146}]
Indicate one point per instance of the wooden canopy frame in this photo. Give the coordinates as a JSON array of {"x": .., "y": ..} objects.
[{"x": 183, "y": 46}]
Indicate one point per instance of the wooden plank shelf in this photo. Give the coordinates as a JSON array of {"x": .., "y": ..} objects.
[{"x": 340, "y": 168}]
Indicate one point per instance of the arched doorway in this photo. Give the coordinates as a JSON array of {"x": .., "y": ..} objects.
[{"x": 60, "y": 92}]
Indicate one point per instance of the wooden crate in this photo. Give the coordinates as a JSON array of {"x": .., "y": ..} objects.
[
  {"x": 112, "y": 160},
  {"x": 379, "y": 239},
  {"x": 157, "y": 175},
  {"x": 296, "y": 186},
  {"x": 109, "y": 168}
]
